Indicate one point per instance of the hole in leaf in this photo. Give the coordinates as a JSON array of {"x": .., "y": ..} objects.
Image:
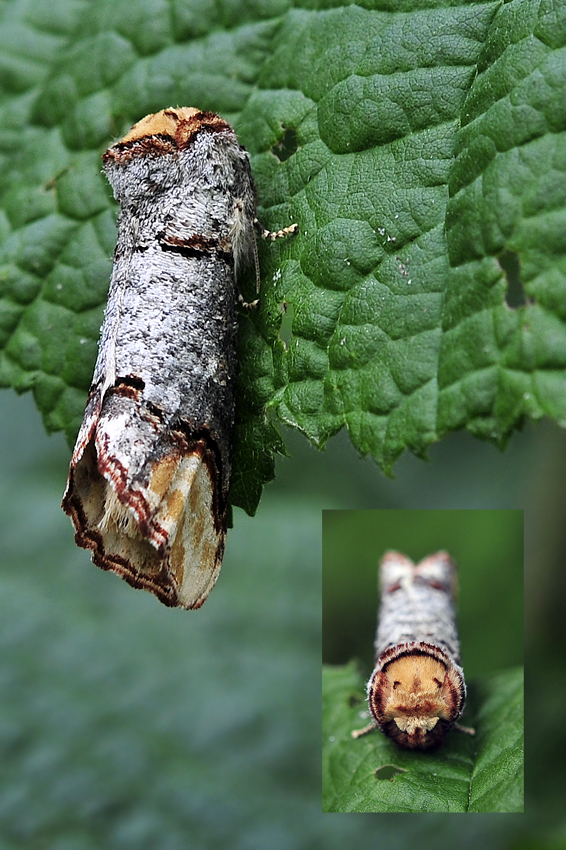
[
  {"x": 509, "y": 262},
  {"x": 286, "y": 329},
  {"x": 287, "y": 145},
  {"x": 388, "y": 771}
]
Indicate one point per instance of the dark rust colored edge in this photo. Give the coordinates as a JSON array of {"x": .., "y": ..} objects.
[
  {"x": 392, "y": 653},
  {"x": 160, "y": 144},
  {"x": 196, "y": 246},
  {"x": 191, "y": 442}
]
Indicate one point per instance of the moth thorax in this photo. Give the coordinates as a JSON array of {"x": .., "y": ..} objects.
[{"x": 414, "y": 699}]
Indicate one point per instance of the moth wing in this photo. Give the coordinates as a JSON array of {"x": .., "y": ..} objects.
[
  {"x": 188, "y": 515},
  {"x": 152, "y": 517}
]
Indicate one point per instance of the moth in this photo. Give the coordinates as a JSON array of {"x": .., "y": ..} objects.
[
  {"x": 417, "y": 691},
  {"x": 150, "y": 472}
]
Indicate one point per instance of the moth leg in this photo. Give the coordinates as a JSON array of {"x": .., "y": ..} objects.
[
  {"x": 268, "y": 234},
  {"x": 275, "y": 234},
  {"x": 466, "y": 729},
  {"x": 359, "y": 733},
  {"x": 247, "y": 305}
]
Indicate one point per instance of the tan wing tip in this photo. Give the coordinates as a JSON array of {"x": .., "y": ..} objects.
[
  {"x": 163, "y": 123},
  {"x": 168, "y": 539},
  {"x": 178, "y": 123}
]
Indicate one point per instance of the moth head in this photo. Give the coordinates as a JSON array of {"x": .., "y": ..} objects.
[{"x": 415, "y": 699}]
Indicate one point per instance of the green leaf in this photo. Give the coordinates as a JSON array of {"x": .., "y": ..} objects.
[
  {"x": 421, "y": 148},
  {"x": 507, "y": 212},
  {"x": 483, "y": 773}
]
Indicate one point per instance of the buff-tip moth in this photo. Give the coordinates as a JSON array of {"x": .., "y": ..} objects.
[
  {"x": 150, "y": 473},
  {"x": 417, "y": 691}
]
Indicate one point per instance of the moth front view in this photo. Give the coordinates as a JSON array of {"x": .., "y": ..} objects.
[
  {"x": 417, "y": 691},
  {"x": 150, "y": 472}
]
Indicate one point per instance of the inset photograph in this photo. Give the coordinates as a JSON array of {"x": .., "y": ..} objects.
[{"x": 422, "y": 685}]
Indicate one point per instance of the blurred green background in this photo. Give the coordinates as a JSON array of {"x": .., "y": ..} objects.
[
  {"x": 124, "y": 724},
  {"x": 488, "y": 548}
]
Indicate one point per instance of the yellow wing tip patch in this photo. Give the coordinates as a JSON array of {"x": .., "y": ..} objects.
[
  {"x": 163, "y": 123},
  {"x": 166, "y": 537}
]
